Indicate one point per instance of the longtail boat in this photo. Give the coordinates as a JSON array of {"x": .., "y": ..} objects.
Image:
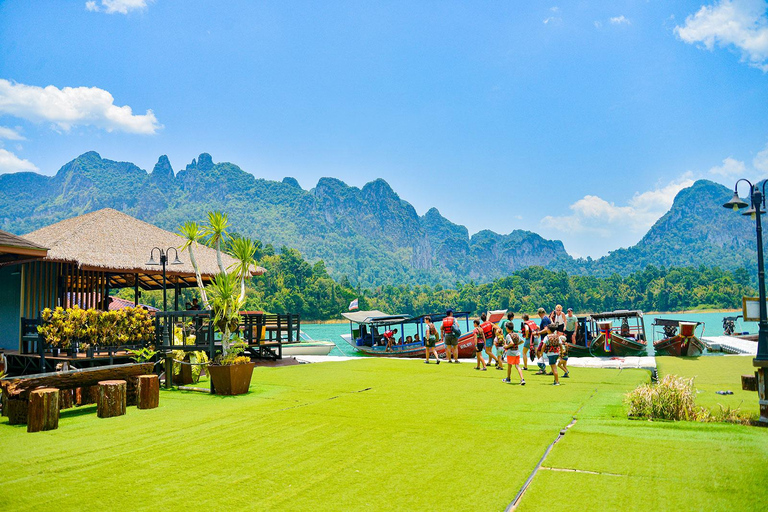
[
  {"x": 367, "y": 330},
  {"x": 678, "y": 338},
  {"x": 626, "y": 339},
  {"x": 584, "y": 335}
]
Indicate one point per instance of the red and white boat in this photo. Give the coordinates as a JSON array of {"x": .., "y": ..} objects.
[{"x": 678, "y": 338}]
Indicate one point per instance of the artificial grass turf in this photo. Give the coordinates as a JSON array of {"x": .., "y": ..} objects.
[
  {"x": 643, "y": 465},
  {"x": 366, "y": 434},
  {"x": 715, "y": 373}
]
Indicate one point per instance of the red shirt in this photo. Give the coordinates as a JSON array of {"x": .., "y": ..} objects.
[{"x": 389, "y": 334}]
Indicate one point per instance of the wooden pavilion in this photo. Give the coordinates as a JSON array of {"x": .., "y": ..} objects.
[{"x": 81, "y": 259}]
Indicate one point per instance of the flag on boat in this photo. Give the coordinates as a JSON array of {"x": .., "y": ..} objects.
[{"x": 353, "y": 305}]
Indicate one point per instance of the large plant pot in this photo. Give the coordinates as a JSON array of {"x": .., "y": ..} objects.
[{"x": 232, "y": 379}]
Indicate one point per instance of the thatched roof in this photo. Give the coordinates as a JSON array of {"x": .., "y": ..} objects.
[
  {"x": 14, "y": 249},
  {"x": 108, "y": 240}
]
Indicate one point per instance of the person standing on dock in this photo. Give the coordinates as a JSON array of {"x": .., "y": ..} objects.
[
  {"x": 430, "y": 340},
  {"x": 498, "y": 347},
  {"x": 571, "y": 326},
  {"x": 558, "y": 318},
  {"x": 479, "y": 344},
  {"x": 512, "y": 353},
  {"x": 542, "y": 333},
  {"x": 449, "y": 337}
]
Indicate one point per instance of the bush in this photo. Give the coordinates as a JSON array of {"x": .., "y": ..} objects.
[
  {"x": 674, "y": 398},
  {"x": 62, "y": 328}
]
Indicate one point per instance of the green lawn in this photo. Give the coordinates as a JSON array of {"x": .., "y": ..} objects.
[
  {"x": 378, "y": 434},
  {"x": 642, "y": 465}
]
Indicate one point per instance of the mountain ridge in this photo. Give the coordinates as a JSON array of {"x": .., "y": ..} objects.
[{"x": 368, "y": 234}]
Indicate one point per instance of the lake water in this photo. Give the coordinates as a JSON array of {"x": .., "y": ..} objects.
[{"x": 713, "y": 326}]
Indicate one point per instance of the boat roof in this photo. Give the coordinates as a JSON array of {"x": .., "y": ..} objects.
[
  {"x": 373, "y": 316},
  {"x": 619, "y": 313},
  {"x": 674, "y": 323},
  {"x": 438, "y": 317}
]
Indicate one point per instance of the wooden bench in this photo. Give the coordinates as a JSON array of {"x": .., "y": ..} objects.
[{"x": 16, "y": 390}]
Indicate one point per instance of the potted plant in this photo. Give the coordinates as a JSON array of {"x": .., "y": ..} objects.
[{"x": 231, "y": 371}]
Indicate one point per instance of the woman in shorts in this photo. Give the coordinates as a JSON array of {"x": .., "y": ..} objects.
[
  {"x": 512, "y": 354},
  {"x": 430, "y": 340},
  {"x": 479, "y": 346}
]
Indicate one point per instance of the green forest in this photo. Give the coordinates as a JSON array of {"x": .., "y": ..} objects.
[{"x": 292, "y": 284}]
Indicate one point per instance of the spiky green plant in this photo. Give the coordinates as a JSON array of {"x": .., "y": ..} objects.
[
  {"x": 243, "y": 250},
  {"x": 192, "y": 234},
  {"x": 216, "y": 234}
]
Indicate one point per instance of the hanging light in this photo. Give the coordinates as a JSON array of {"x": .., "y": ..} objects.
[
  {"x": 751, "y": 212},
  {"x": 735, "y": 203}
]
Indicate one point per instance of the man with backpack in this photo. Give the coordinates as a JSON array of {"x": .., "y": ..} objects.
[
  {"x": 490, "y": 332},
  {"x": 450, "y": 333}
]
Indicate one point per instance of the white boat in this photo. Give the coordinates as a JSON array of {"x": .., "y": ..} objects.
[{"x": 307, "y": 347}]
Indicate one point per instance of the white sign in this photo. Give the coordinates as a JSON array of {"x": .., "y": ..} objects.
[{"x": 751, "y": 308}]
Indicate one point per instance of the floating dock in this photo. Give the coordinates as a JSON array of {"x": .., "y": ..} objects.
[{"x": 730, "y": 345}]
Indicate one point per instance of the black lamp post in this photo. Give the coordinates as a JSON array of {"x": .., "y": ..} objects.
[
  {"x": 756, "y": 211},
  {"x": 163, "y": 261}
]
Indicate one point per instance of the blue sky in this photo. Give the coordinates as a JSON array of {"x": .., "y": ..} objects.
[{"x": 577, "y": 120}]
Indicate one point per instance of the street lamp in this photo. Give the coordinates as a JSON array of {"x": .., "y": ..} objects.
[
  {"x": 163, "y": 261},
  {"x": 756, "y": 211}
]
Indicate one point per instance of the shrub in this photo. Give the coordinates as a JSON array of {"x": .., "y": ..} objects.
[
  {"x": 671, "y": 399},
  {"x": 128, "y": 326}
]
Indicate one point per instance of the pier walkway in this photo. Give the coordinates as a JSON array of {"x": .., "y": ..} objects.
[{"x": 730, "y": 345}]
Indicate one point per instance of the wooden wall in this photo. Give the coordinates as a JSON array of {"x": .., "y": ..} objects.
[{"x": 47, "y": 285}]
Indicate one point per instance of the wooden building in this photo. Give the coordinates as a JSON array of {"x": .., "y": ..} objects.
[{"x": 81, "y": 259}]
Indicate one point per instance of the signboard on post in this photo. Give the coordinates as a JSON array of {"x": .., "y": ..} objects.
[{"x": 751, "y": 308}]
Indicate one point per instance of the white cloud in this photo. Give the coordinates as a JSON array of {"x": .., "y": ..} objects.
[
  {"x": 554, "y": 9},
  {"x": 741, "y": 24},
  {"x": 731, "y": 168},
  {"x": 598, "y": 24},
  {"x": 73, "y": 106},
  {"x": 595, "y": 216},
  {"x": 10, "y": 134},
  {"x": 760, "y": 162},
  {"x": 116, "y": 6},
  {"x": 11, "y": 163},
  {"x": 620, "y": 20}
]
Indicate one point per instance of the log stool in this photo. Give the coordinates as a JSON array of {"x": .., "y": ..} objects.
[
  {"x": 17, "y": 410},
  {"x": 43, "y": 410},
  {"x": 749, "y": 382},
  {"x": 86, "y": 395},
  {"x": 66, "y": 399},
  {"x": 148, "y": 392},
  {"x": 111, "y": 400}
]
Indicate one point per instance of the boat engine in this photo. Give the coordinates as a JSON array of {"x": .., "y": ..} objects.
[
  {"x": 670, "y": 331},
  {"x": 729, "y": 325}
]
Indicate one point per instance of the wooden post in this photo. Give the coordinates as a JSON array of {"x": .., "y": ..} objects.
[
  {"x": 66, "y": 399},
  {"x": 86, "y": 395},
  {"x": 4, "y": 402},
  {"x": 43, "y": 410},
  {"x": 148, "y": 391},
  {"x": 111, "y": 398},
  {"x": 168, "y": 370},
  {"x": 17, "y": 411}
]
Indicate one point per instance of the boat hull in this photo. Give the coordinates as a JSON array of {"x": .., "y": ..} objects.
[
  {"x": 622, "y": 347},
  {"x": 313, "y": 348},
  {"x": 679, "y": 346},
  {"x": 578, "y": 350},
  {"x": 411, "y": 350}
]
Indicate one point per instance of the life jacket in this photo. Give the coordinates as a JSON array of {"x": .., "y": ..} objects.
[
  {"x": 447, "y": 323},
  {"x": 531, "y": 326},
  {"x": 487, "y": 328}
]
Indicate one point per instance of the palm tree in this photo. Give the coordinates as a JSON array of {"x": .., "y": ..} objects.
[
  {"x": 192, "y": 233},
  {"x": 243, "y": 250},
  {"x": 216, "y": 233}
]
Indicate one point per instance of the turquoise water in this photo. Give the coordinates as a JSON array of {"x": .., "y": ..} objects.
[{"x": 713, "y": 326}]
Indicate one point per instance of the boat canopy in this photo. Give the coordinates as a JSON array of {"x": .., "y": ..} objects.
[
  {"x": 373, "y": 317},
  {"x": 621, "y": 313},
  {"x": 672, "y": 323},
  {"x": 439, "y": 317}
]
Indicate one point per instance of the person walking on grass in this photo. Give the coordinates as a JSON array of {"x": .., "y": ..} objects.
[
  {"x": 449, "y": 337},
  {"x": 542, "y": 332},
  {"x": 430, "y": 340},
  {"x": 527, "y": 328},
  {"x": 479, "y": 344},
  {"x": 562, "y": 363},
  {"x": 552, "y": 347},
  {"x": 512, "y": 354},
  {"x": 498, "y": 346},
  {"x": 490, "y": 332}
]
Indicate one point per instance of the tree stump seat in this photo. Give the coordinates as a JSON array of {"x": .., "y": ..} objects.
[
  {"x": 43, "y": 410},
  {"x": 148, "y": 392},
  {"x": 111, "y": 400}
]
